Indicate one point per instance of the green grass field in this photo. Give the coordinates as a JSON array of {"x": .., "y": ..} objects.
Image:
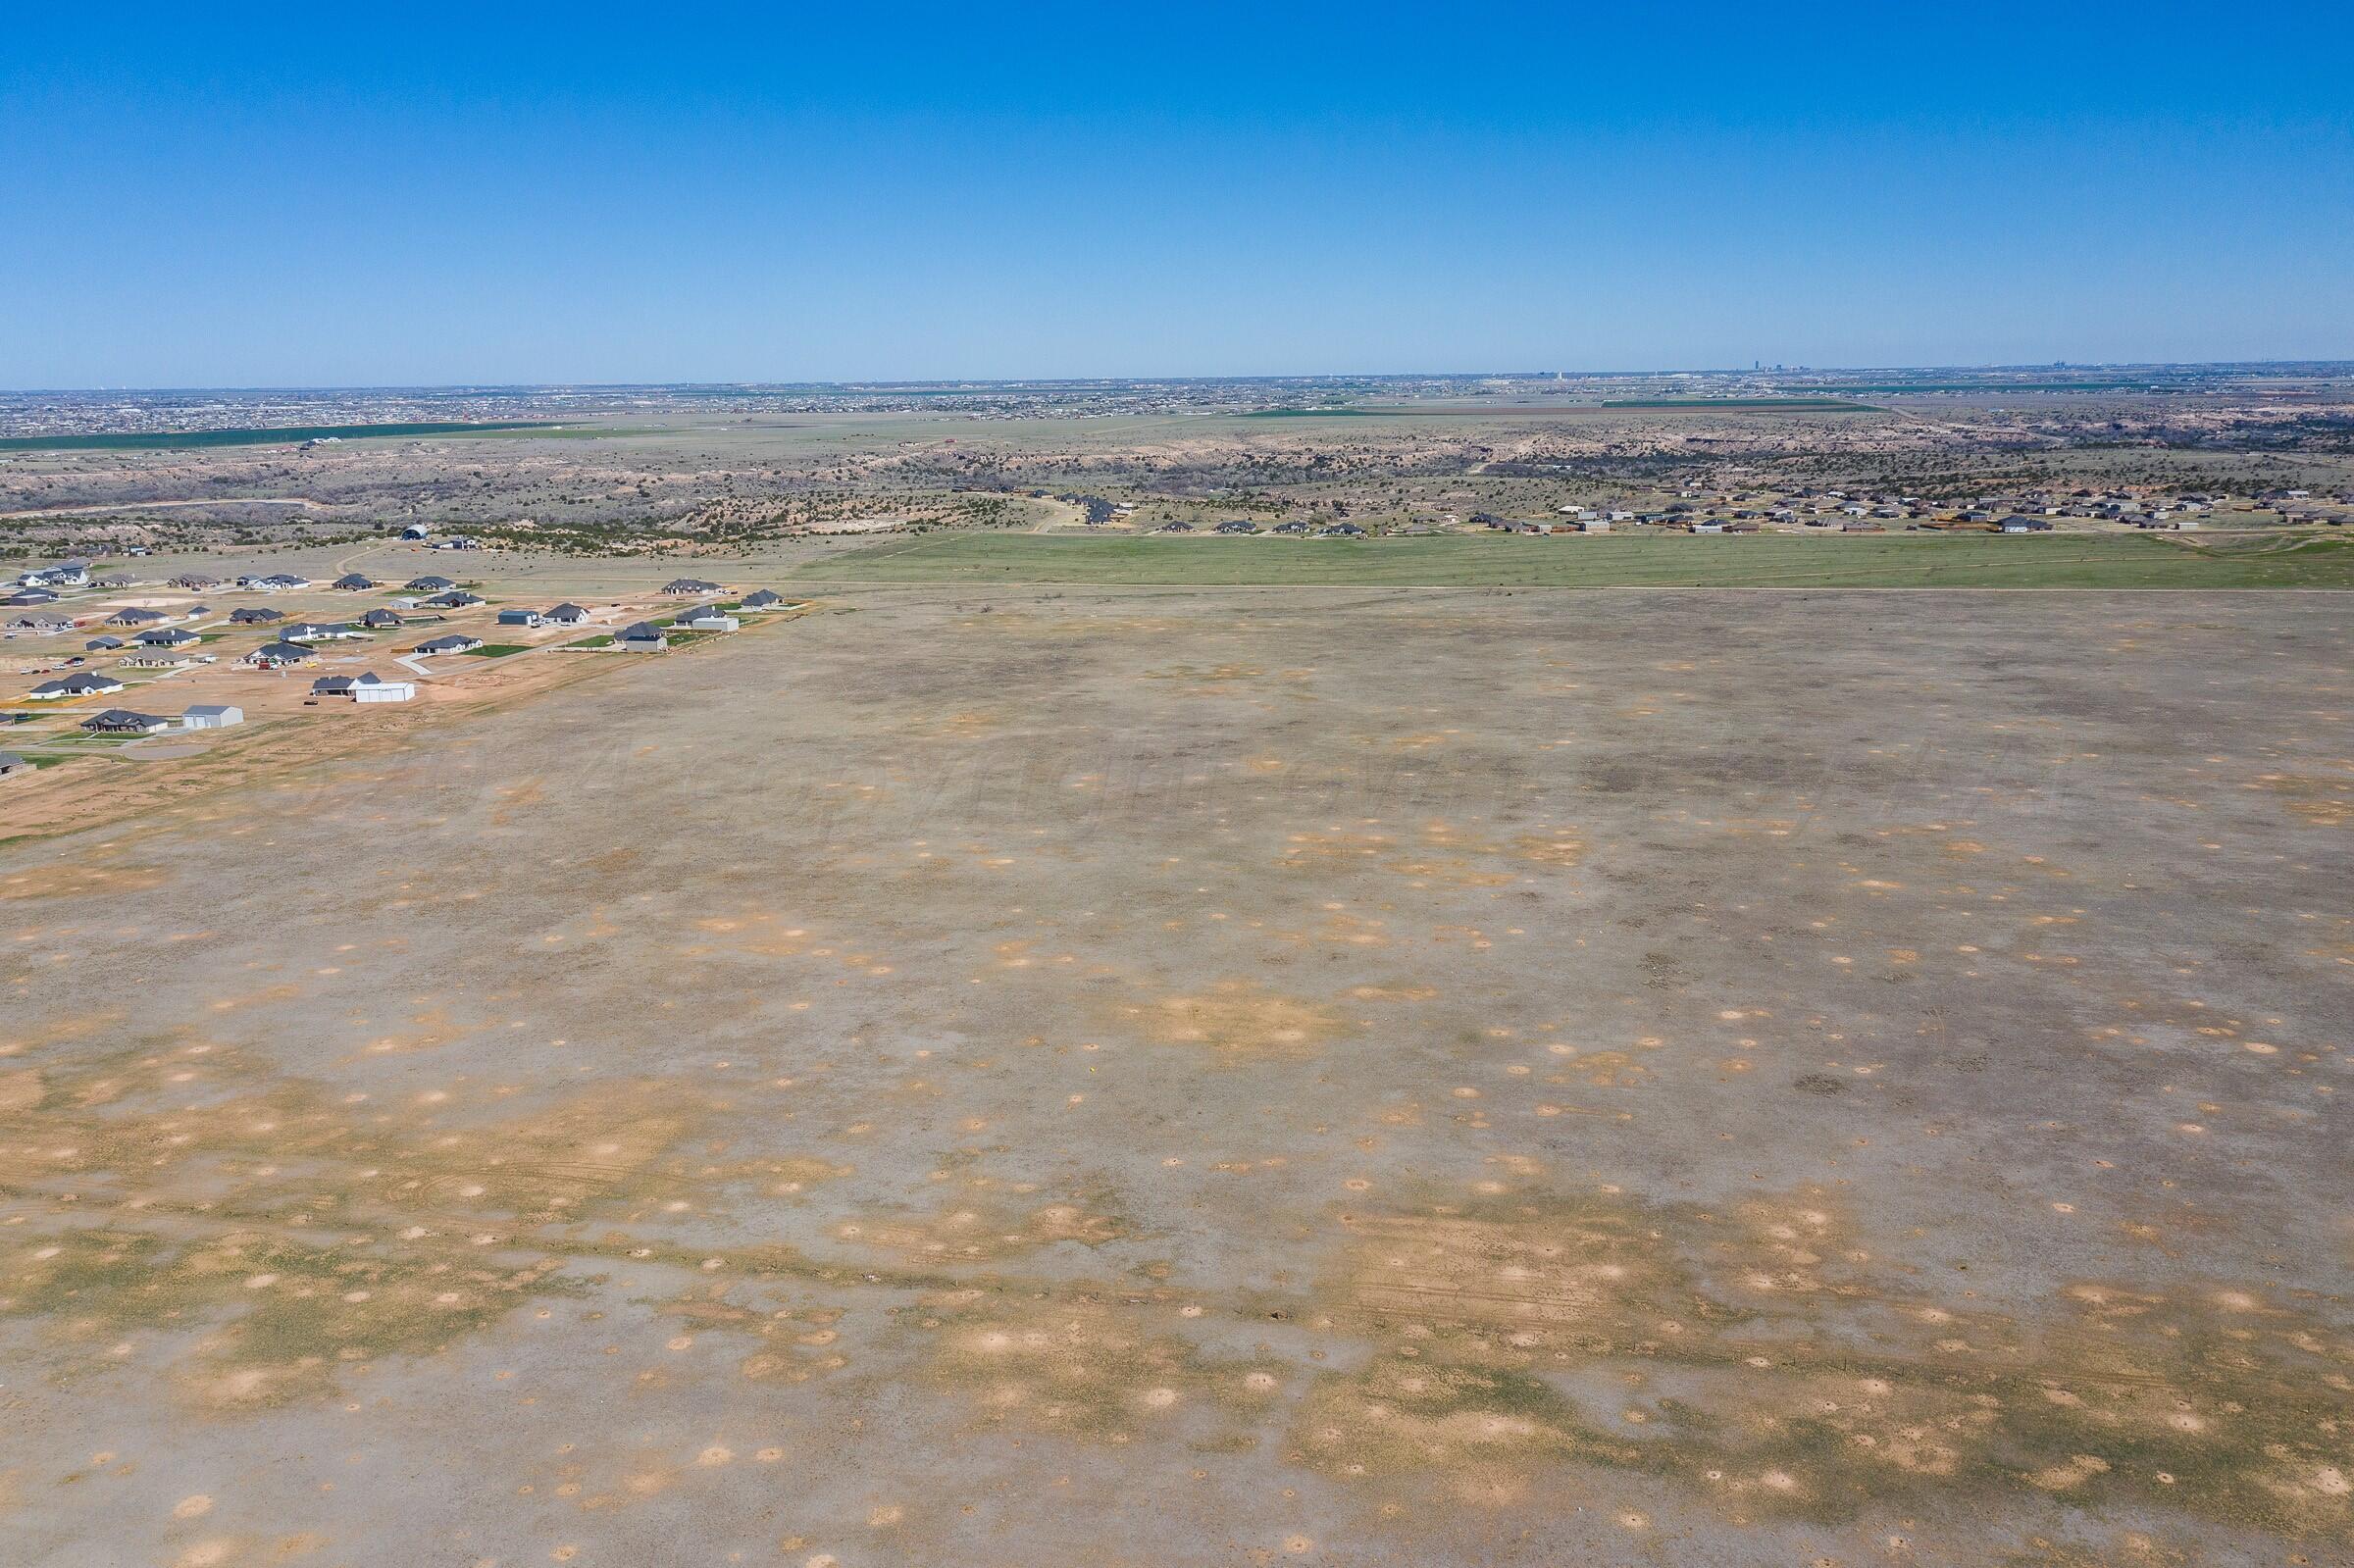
[{"x": 1897, "y": 561}]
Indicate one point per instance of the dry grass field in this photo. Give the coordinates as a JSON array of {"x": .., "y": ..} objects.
[{"x": 1015, "y": 1076}]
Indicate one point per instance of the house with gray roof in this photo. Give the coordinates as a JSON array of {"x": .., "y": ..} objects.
[
  {"x": 125, "y": 722},
  {"x": 80, "y": 683}
]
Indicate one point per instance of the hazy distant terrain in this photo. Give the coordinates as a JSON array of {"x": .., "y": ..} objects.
[{"x": 722, "y": 468}]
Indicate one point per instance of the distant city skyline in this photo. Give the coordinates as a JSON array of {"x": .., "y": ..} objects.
[{"x": 289, "y": 198}]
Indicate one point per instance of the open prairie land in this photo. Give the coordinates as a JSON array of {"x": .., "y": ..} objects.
[
  {"x": 986, "y": 1075},
  {"x": 1969, "y": 561}
]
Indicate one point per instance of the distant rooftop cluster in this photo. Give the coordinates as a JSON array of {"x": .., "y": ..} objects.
[{"x": 54, "y": 414}]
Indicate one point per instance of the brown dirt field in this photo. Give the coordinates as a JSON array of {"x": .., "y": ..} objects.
[{"x": 1364, "y": 1076}]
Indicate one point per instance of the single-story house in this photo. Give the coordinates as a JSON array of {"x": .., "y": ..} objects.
[
  {"x": 455, "y": 643},
  {"x": 682, "y": 588},
  {"x": 81, "y": 684},
  {"x": 430, "y": 584},
  {"x": 379, "y": 621},
  {"x": 169, "y": 636},
  {"x": 134, "y": 615},
  {"x": 211, "y": 716},
  {"x": 42, "y": 623},
  {"x": 353, "y": 582},
  {"x": 273, "y": 655},
  {"x": 454, "y": 599},
  {"x": 12, "y": 766},
  {"x": 1293, "y": 526},
  {"x": 643, "y": 638},
  {"x": 2021, "y": 523},
  {"x": 195, "y": 581},
  {"x": 364, "y": 687},
  {"x": 520, "y": 617},
  {"x": 566, "y": 615},
  {"x": 255, "y": 616},
  {"x": 124, "y": 722},
  {"x": 762, "y": 599}
]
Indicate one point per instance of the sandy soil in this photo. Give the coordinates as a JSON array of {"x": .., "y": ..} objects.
[{"x": 1166, "y": 1079}]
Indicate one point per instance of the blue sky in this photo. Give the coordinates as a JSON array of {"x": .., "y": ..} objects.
[{"x": 300, "y": 196}]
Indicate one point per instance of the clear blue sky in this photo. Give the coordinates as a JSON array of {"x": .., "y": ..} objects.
[{"x": 319, "y": 195}]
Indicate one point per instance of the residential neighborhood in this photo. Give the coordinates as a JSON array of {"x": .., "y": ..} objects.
[{"x": 157, "y": 638}]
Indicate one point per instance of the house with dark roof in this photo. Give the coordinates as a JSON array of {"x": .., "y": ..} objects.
[
  {"x": 366, "y": 686},
  {"x": 379, "y": 621},
  {"x": 12, "y": 766},
  {"x": 169, "y": 636},
  {"x": 135, "y": 615},
  {"x": 762, "y": 599},
  {"x": 124, "y": 722},
  {"x": 455, "y": 643},
  {"x": 80, "y": 683},
  {"x": 353, "y": 582},
  {"x": 682, "y": 587},
  {"x": 454, "y": 599},
  {"x": 642, "y": 637},
  {"x": 430, "y": 584},
  {"x": 255, "y": 616},
  {"x": 566, "y": 615},
  {"x": 274, "y": 655}
]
